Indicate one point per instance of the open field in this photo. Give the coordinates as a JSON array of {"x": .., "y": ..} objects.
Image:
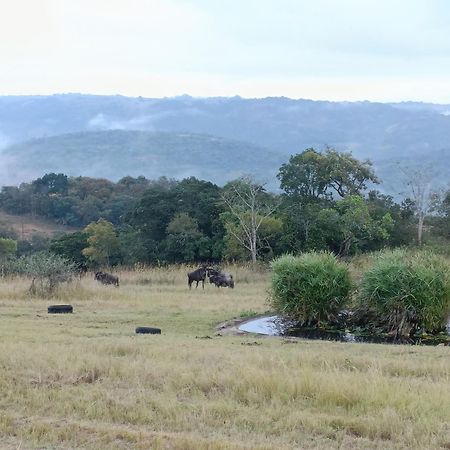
[
  {"x": 85, "y": 380},
  {"x": 26, "y": 225}
]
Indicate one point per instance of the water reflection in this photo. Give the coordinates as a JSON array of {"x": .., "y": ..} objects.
[
  {"x": 275, "y": 326},
  {"x": 271, "y": 326}
]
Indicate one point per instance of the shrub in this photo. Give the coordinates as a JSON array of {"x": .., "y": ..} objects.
[
  {"x": 8, "y": 248},
  {"x": 46, "y": 270},
  {"x": 9, "y": 267},
  {"x": 407, "y": 291},
  {"x": 310, "y": 288}
]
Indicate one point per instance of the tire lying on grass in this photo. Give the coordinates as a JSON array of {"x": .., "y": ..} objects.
[
  {"x": 148, "y": 330},
  {"x": 60, "y": 309}
]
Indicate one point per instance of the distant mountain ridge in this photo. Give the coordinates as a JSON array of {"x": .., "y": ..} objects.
[{"x": 389, "y": 134}]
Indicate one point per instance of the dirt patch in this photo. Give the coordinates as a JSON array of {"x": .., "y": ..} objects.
[
  {"x": 26, "y": 225},
  {"x": 231, "y": 327}
]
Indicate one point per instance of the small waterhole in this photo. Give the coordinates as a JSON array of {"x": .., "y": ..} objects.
[{"x": 276, "y": 326}]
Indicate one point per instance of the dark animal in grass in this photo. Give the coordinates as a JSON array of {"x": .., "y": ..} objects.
[
  {"x": 82, "y": 270},
  {"x": 106, "y": 278},
  {"x": 220, "y": 279},
  {"x": 197, "y": 275},
  {"x": 212, "y": 273}
]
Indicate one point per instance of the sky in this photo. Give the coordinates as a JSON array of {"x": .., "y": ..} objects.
[{"x": 383, "y": 50}]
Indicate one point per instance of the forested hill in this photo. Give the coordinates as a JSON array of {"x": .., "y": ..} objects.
[
  {"x": 113, "y": 154},
  {"x": 409, "y": 133}
]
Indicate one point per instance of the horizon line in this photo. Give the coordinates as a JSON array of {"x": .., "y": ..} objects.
[{"x": 236, "y": 96}]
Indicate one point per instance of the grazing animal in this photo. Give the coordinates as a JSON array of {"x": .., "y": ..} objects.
[
  {"x": 220, "y": 279},
  {"x": 106, "y": 278},
  {"x": 197, "y": 275}
]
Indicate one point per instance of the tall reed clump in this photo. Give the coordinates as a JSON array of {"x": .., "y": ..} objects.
[
  {"x": 407, "y": 291},
  {"x": 310, "y": 288}
]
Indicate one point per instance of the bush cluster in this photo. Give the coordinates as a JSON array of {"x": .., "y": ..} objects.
[
  {"x": 403, "y": 292},
  {"x": 407, "y": 291},
  {"x": 310, "y": 288}
]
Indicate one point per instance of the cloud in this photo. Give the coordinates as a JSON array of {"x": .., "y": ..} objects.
[
  {"x": 102, "y": 122},
  {"x": 145, "y": 122}
]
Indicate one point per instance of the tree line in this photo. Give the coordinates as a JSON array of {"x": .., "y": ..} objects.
[{"x": 327, "y": 201}]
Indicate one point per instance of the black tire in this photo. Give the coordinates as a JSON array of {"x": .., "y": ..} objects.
[
  {"x": 60, "y": 309},
  {"x": 148, "y": 330}
]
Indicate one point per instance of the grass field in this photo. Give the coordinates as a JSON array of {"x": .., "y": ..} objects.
[{"x": 86, "y": 380}]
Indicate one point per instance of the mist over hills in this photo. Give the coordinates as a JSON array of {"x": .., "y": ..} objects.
[
  {"x": 115, "y": 153},
  {"x": 252, "y": 135}
]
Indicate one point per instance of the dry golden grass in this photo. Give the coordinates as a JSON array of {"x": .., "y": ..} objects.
[{"x": 87, "y": 381}]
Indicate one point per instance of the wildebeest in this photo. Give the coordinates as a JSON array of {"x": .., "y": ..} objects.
[
  {"x": 106, "y": 278},
  {"x": 197, "y": 275},
  {"x": 220, "y": 279}
]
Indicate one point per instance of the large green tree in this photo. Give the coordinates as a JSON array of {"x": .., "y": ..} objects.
[
  {"x": 103, "y": 243},
  {"x": 403, "y": 231},
  {"x": 168, "y": 204},
  {"x": 51, "y": 183},
  {"x": 71, "y": 246},
  {"x": 311, "y": 175},
  {"x": 132, "y": 246},
  {"x": 184, "y": 241},
  {"x": 313, "y": 183},
  {"x": 152, "y": 213},
  {"x": 349, "y": 226},
  {"x": 200, "y": 200}
]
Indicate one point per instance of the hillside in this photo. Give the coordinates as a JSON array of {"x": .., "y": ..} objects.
[
  {"x": 389, "y": 134},
  {"x": 25, "y": 226},
  {"x": 114, "y": 154}
]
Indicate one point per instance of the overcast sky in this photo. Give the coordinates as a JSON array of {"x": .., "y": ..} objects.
[{"x": 383, "y": 50}]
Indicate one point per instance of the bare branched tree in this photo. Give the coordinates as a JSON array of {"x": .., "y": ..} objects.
[
  {"x": 419, "y": 181},
  {"x": 249, "y": 205}
]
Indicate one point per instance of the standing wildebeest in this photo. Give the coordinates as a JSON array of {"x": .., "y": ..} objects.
[
  {"x": 197, "y": 275},
  {"x": 220, "y": 279},
  {"x": 106, "y": 278}
]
